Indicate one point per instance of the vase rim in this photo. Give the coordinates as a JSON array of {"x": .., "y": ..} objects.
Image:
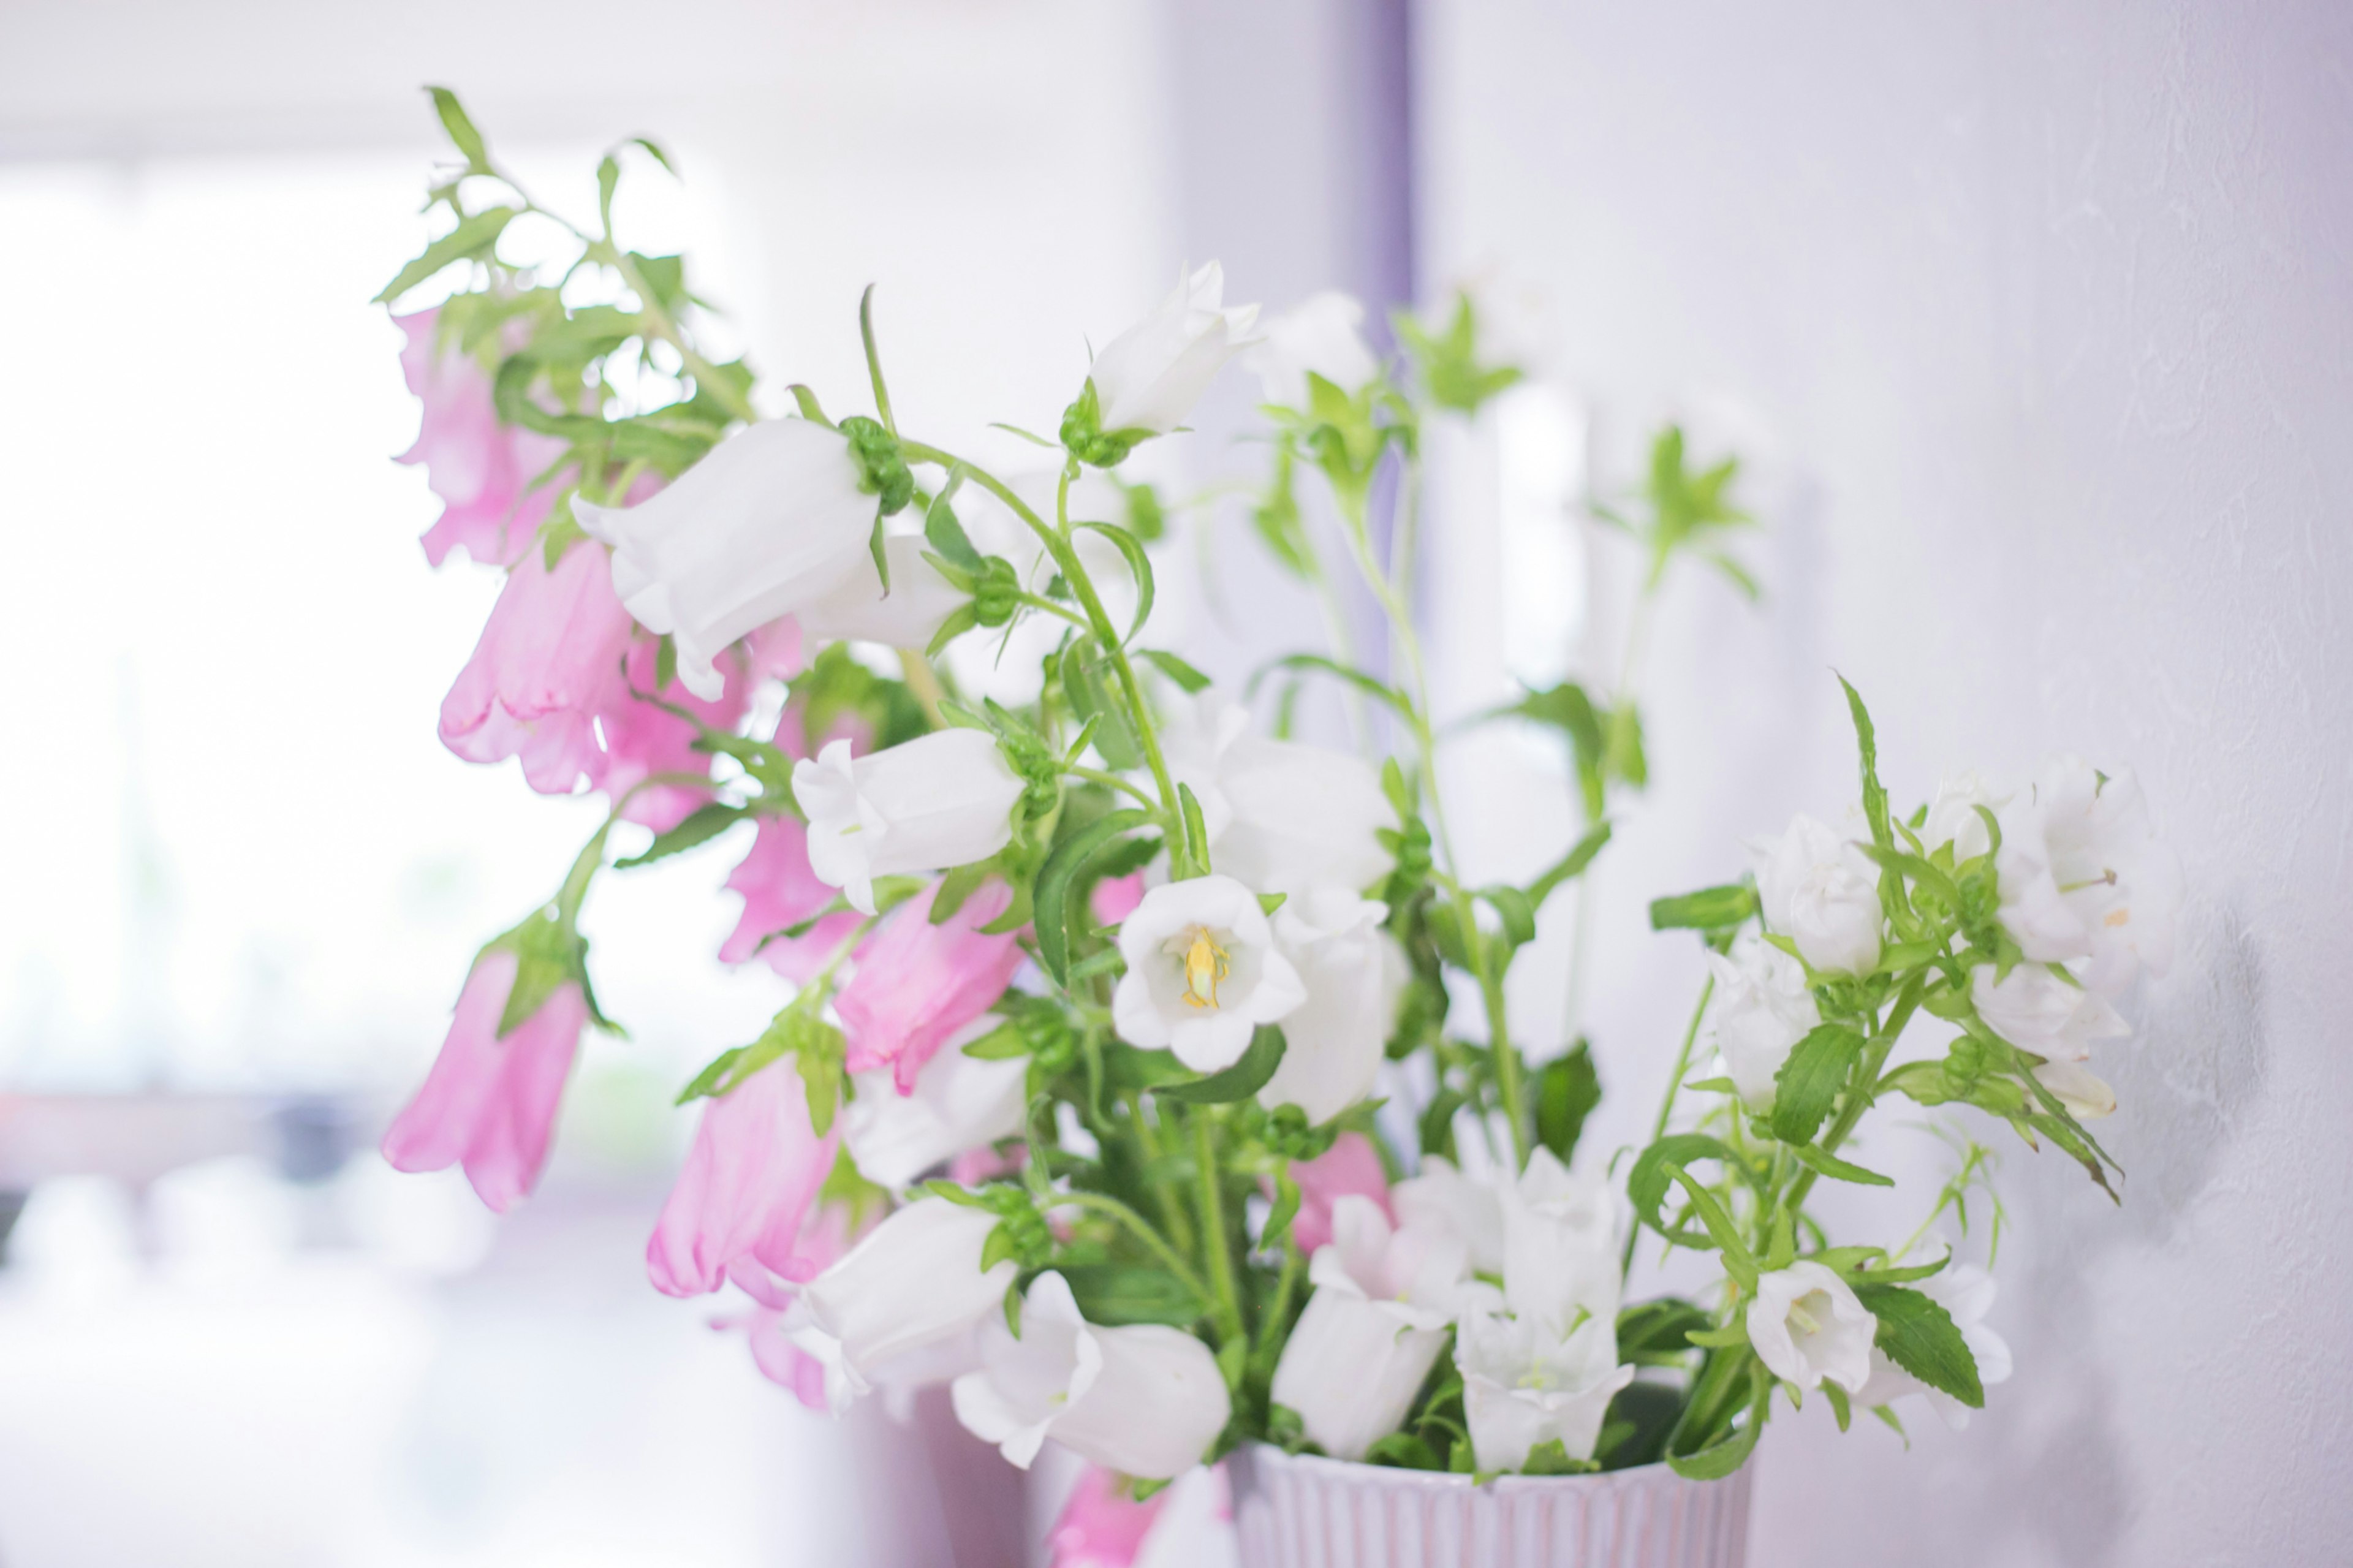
[{"x": 1450, "y": 1480}]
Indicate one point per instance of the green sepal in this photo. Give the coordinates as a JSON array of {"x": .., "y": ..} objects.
[{"x": 1188, "y": 679}]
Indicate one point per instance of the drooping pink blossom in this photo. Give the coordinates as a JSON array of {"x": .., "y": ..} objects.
[
  {"x": 738, "y": 1209},
  {"x": 780, "y": 1361},
  {"x": 1350, "y": 1168},
  {"x": 824, "y": 1238},
  {"x": 482, "y": 470},
  {"x": 916, "y": 982},
  {"x": 489, "y": 1103},
  {"x": 779, "y": 892},
  {"x": 643, "y": 738},
  {"x": 548, "y": 662},
  {"x": 1115, "y": 897},
  {"x": 1100, "y": 1527}
]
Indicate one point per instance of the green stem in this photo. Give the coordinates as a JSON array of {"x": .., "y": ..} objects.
[
  {"x": 1172, "y": 1212},
  {"x": 1505, "y": 1055},
  {"x": 1104, "y": 1204},
  {"x": 1109, "y": 780},
  {"x": 1214, "y": 1241},
  {"x": 1865, "y": 1083},
  {"x": 1066, "y": 560},
  {"x": 1667, "y": 1101}
]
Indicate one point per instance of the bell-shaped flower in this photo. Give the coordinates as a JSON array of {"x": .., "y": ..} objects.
[
  {"x": 770, "y": 521},
  {"x": 1144, "y": 1399},
  {"x": 2047, "y": 1014},
  {"x": 1953, "y": 817},
  {"x": 1351, "y": 1167},
  {"x": 780, "y": 892},
  {"x": 2083, "y": 876},
  {"x": 940, "y": 800},
  {"x": 1372, "y": 1330},
  {"x": 1282, "y": 816},
  {"x": 1102, "y": 1526},
  {"x": 958, "y": 1103},
  {"x": 1318, "y": 336},
  {"x": 917, "y": 984},
  {"x": 1966, "y": 1292},
  {"x": 1761, "y": 1009},
  {"x": 780, "y": 1361},
  {"x": 1203, "y": 972},
  {"x": 643, "y": 738},
  {"x": 489, "y": 1103},
  {"x": 1149, "y": 377},
  {"x": 1186, "y": 1524},
  {"x": 1821, "y": 893},
  {"x": 1445, "y": 1198},
  {"x": 482, "y": 471},
  {"x": 738, "y": 1207},
  {"x": 1560, "y": 1245},
  {"x": 548, "y": 664},
  {"x": 1806, "y": 1324},
  {"x": 1526, "y": 1382},
  {"x": 1355, "y": 973},
  {"x": 858, "y": 609},
  {"x": 913, "y": 1284}
]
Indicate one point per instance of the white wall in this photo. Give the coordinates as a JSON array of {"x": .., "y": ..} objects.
[{"x": 2042, "y": 317}]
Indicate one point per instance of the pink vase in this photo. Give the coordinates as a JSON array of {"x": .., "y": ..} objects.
[{"x": 1302, "y": 1512}]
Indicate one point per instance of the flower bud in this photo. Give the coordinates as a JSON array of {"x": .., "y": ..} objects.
[
  {"x": 915, "y": 1282},
  {"x": 939, "y": 800},
  {"x": 1144, "y": 1400}
]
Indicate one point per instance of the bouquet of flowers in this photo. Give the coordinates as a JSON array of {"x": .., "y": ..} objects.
[{"x": 1127, "y": 1084}]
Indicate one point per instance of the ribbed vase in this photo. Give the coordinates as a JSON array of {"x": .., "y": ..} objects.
[{"x": 1302, "y": 1512}]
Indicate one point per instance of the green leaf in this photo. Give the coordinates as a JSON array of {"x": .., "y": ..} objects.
[
  {"x": 608, "y": 180},
  {"x": 1654, "y": 1333},
  {"x": 1920, "y": 1336},
  {"x": 1809, "y": 1080},
  {"x": 1567, "y": 1089},
  {"x": 1836, "y": 1169},
  {"x": 704, "y": 823},
  {"x": 1116, "y": 1293},
  {"x": 1710, "y": 908},
  {"x": 1647, "y": 1183},
  {"x": 461, "y": 127},
  {"x": 947, "y": 535},
  {"x": 1404, "y": 1451},
  {"x": 1245, "y": 1078},
  {"x": 1196, "y": 829},
  {"x": 1187, "y": 678},
  {"x": 1518, "y": 912},
  {"x": 1571, "y": 865},
  {"x": 1739, "y": 1262},
  {"x": 706, "y": 1082},
  {"x": 1722, "y": 1458},
  {"x": 471, "y": 237},
  {"x": 1139, "y": 566},
  {"x": 1875, "y": 793},
  {"x": 1379, "y": 690},
  {"x": 1053, "y": 887}
]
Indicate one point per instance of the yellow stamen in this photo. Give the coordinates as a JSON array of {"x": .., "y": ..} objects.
[{"x": 1205, "y": 966}]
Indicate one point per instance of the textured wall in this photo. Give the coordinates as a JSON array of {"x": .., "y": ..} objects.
[{"x": 2041, "y": 317}]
